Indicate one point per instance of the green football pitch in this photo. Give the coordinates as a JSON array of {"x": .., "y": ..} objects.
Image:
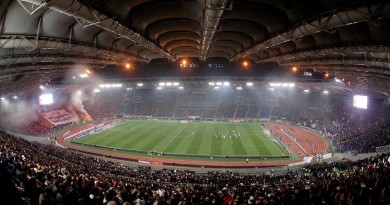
[{"x": 206, "y": 138}]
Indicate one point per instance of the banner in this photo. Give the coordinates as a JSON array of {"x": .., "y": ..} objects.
[{"x": 327, "y": 156}]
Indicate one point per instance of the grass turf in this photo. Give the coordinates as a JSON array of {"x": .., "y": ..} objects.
[{"x": 248, "y": 139}]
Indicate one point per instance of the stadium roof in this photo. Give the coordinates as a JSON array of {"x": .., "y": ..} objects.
[{"x": 41, "y": 39}]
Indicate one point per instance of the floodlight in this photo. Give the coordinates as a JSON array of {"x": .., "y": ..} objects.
[
  {"x": 291, "y": 85},
  {"x": 2, "y": 98},
  {"x": 181, "y": 88},
  {"x": 140, "y": 84},
  {"x": 15, "y": 97},
  {"x": 245, "y": 63},
  {"x": 46, "y": 99},
  {"x": 249, "y": 83},
  {"x": 218, "y": 83},
  {"x": 211, "y": 83},
  {"x": 161, "y": 84},
  {"x": 216, "y": 88},
  {"x": 226, "y": 83},
  {"x": 239, "y": 88},
  {"x": 168, "y": 83},
  {"x": 325, "y": 92},
  {"x": 306, "y": 91},
  {"x": 128, "y": 65},
  {"x": 96, "y": 90},
  {"x": 175, "y": 83},
  {"x": 159, "y": 88},
  {"x": 83, "y": 75}
]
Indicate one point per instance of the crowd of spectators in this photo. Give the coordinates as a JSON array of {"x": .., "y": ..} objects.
[
  {"x": 36, "y": 129},
  {"x": 33, "y": 173},
  {"x": 348, "y": 128}
]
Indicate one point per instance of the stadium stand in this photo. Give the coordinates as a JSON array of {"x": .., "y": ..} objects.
[
  {"x": 46, "y": 174},
  {"x": 346, "y": 127}
]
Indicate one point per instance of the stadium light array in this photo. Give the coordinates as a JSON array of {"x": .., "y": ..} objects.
[
  {"x": 211, "y": 83},
  {"x": 226, "y": 83},
  {"x": 275, "y": 84},
  {"x": 239, "y": 88},
  {"x": 306, "y": 91},
  {"x": 140, "y": 84},
  {"x": 162, "y": 84},
  {"x": 249, "y": 84},
  {"x": 117, "y": 85},
  {"x": 325, "y": 92},
  {"x": 218, "y": 83},
  {"x": 282, "y": 85}
]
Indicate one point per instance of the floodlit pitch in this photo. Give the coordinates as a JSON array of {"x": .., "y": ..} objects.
[{"x": 206, "y": 138}]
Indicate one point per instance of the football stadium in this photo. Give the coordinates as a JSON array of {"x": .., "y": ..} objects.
[{"x": 194, "y": 102}]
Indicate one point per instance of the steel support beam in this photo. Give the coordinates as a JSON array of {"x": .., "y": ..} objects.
[
  {"x": 30, "y": 43},
  {"x": 365, "y": 64},
  {"x": 43, "y": 58},
  {"x": 16, "y": 69},
  {"x": 33, "y": 77},
  {"x": 88, "y": 16},
  {"x": 340, "y": 50},
  {"x": 325, "y": 22},
  {"x": 212, "y": 15}
]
